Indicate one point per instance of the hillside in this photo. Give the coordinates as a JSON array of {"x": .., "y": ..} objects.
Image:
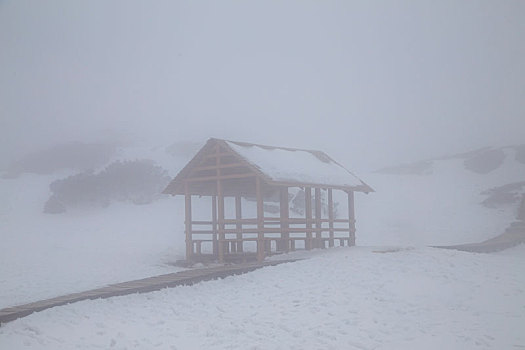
[
  {"x": 44, "y": 255},
  {"x": 468, "y": 197}
]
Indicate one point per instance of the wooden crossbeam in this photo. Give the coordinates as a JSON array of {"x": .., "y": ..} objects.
[
  {"x": 219, "y": 166},
  {"x": 220, "y": 177}
]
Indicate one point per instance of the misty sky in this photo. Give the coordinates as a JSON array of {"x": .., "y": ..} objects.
[{"x": 370, "y": 82}]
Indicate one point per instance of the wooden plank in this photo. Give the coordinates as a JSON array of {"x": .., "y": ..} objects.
[
  {"x": 214, "y": 225},
  {"x": 217, "y": 155},
  {"x": 242, "y": 221},
  {"x": 145, "y": 285},
  {"x": 221, "y": 177},
  {"x": 312, "y": 185},
  {"x": 221, "y": 166},
  {"x": 272, "y": 230},
  {"x": 207, "y": 231},
  {"x": 220, "y": 199},
  {"x": 238, "y": 217},
  {"x": 260, "y": 220},
  {"x": 351, "y": 218},
  {"x": 187, "y": 209},
  {"x": 308, "y": 216},
  {"x": 202, "y": 222},
  {"x": 330, "y": 218},
  {"x": 318, "y": 224},
  {"x": 220, "y": 204},
  {"x": 284, "y": 216}
]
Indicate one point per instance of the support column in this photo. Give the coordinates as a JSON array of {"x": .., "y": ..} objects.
[
  {"x": 285, "y": 214},
  {"x": 260, "y": 220},
  {"x": 214, "y": 226},
  {"x": 220, "y": 204},
  {"x": 220, "y": 198},
  {"x": 318, "y": 225},
  {"x": 187, "y": 222},
  {"x": 351, "y": 219},
  {"x": 238, "y": 217},
  {"x": 330, "y": 218},
  {"x": 308, "y": 216}
]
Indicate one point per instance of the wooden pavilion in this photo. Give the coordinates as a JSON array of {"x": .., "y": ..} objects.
[{"x": 239, "y": 172}]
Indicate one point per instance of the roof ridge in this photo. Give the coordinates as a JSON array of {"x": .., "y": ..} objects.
[{"x": 249, "y": 144}]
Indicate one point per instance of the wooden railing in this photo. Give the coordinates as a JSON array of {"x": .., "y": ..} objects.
[{"x": 242, "y": 236}]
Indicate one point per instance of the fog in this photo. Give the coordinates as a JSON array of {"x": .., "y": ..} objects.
[
  {"x": 371, "y": 83},
  {"x": 103, "y": 102}
]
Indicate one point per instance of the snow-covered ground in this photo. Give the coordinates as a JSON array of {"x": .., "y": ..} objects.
[
  {"x": 348, "y": 298},
  {"x": 43, "y": 256},
  {"x": 442, "y": 208},
  {"x": 344, "y": 298}
]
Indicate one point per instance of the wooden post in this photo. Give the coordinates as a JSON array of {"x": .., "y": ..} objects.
[
  {"x": 318, "y": 232},
  {"x": 238, "y": 217},
  {"x": 220, "y": 204},
  {"x": 351, "y": 219},
  {"x": 214, "y": 226},
  {"x": 285, "y": 213},
  {"x": 187, "y": 210},
  {"x": 330, "y": 218},
  {"x": 260, "y": 220},
  {"x": 308, "y": 216},
  {"x": 220, "y": 198}
]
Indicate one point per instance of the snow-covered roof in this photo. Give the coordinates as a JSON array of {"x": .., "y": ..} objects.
[
  {"x": 287, "y": 165},
  {"x": 277, "y": 166}
]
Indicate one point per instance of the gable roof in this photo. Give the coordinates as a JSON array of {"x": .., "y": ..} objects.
[{"x": 281, "y": 166}]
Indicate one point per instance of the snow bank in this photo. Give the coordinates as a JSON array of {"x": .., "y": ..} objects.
[
  {"x": 345, "y": 298},
  {"x": 438, "y": 209},
  {"x": 43, "y": 256}
]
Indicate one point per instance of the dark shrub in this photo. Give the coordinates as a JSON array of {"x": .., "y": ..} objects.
[
  {"x": 139, "y": 181},
  {"x": 54, "y": 206},
  {"x": 486, "y": 161}
]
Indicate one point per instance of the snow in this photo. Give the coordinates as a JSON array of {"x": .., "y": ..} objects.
[
  {"x": 397, "y": 295},
  {"x": 344, "y": 298},
  {"x": 43, "y": 256},
  {"x": 300, "y": 166},
  {"x": 443, "y": 208}
]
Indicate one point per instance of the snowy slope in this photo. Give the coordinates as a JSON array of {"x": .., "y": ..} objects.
[
  {"x": 343, "y": 298},
  {"x": 440, "y": 206},
  {"x": 43, "y": 256}
]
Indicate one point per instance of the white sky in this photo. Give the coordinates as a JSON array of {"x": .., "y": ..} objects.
[{"x": 371, "y": 83}]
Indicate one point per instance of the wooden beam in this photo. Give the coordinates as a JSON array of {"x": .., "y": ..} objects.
[
  {"x": 221, "y": 166},
  {"x": 260, "y": 220},
  {"x": 308, "y": 216},
  {"x": 284, "y": 219},
  {"x": 220, "y": 198},
  {"x": 214, "y": 225},
  {"x": 187, "y": 212},
  {"x": 221, "y": 177},
  {"x": 217, "y": 155},
  {"x": 238, "y": 217},
  {"x": 313, "y": 185},
  {"x": 330, "y": 218},
  {"x": 351, "y": 218},
  {"x": 318, "y": 226}
]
